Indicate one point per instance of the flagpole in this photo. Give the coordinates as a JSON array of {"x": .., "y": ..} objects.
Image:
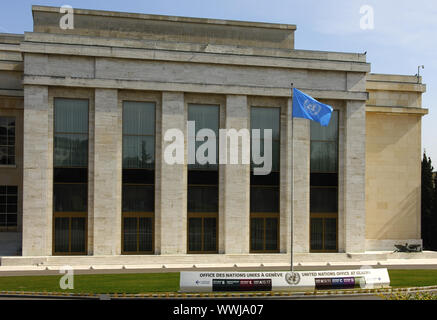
[{"x": 291, "y": 215}]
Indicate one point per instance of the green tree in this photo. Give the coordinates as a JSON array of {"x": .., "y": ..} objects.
[
  {"x": 428, "y": 232},
  {"x": 434, "y": 215}
]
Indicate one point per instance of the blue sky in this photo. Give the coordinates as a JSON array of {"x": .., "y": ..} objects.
[{"x": 403, "y": 38}]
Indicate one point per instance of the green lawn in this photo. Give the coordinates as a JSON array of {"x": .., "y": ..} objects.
[
  {"x": 99, "y": 283},
  {"x": 162, "y": 282},
  {"x": 412, "y": 278}
]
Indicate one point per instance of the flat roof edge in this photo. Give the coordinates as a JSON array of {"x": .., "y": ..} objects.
[{"x": 144, "y": 16}]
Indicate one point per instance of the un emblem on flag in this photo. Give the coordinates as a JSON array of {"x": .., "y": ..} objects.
[
  {"x": 312, "y": 108},
  {"x": 292, "y": 277}
]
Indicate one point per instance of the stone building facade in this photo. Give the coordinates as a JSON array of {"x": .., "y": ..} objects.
[{"x": 114, "y": 63}]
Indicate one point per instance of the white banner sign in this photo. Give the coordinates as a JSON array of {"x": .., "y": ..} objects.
[{"x": 283, "y": 281}]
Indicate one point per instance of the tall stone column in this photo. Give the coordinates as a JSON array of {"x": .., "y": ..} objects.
[
  {"x": 172, "y": 218},
  {"x": 354, "y": 177},
  {"x": 286, "y": 176},
  {"x": 107, "y": 173},
  {"x": 37, "y": 172},
  {"x": 237, "y": 183},
  {"x": 301, "y": 185}
]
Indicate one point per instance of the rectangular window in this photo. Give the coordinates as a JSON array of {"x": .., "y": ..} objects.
[
  {"x": 70, "y": 176},
  {"x": 323, "y": 233},
  {"x": 324, "y": 185},
  {"x": 203, "y": 192},
  {"x": 202, "y": 234},
  {"x": 8, "y": 208},
  {"x": 264, "y": 189},
  {"x": 7, "y": 141},
  {"x": 138, "y": 190},
  {"x": 70, "y": 234},
  {"x": 264, "y": 233}
]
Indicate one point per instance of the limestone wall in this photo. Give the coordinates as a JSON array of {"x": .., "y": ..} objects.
[{"x": 393, "y": 158}]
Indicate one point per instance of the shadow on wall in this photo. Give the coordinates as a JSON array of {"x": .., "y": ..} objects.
[{"x": 10, "y": 244}]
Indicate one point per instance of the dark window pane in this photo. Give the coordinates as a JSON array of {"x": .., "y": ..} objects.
[
  {"x": 264, "y": 199},
  {"x": 7, "y": 141},
  {"x": 130, "y": 234},
  {"x": 145, "y": 234},
  {"x": 11, "y": 208},
  {"x": 275, "y": 155},
  {"x": 210, "y": 234},
  {"x": 61, "y": 234},
  {"x": 11, "y": 140},
  {"x": 11, "y": 220},
  {"x": 139, "y": 176},
  {"x": 12, "y": 190},
  {"x": 138, "y": 151},
  {"x": 138, "y": 135},
  {"x": 70, "y": 175},
  {"x": 202, "y": 199},
  {"x": 324, "y": 179},
  {"x": 206, "y": 147},
  {"x": 316, "y": 234},
  {"x": 138, "y": 118},
  {"x": 271, "y": 179},
  {"x": 138, "y": 198},
  {"x": 257, "y": 234},
  {"x": 203, "y": 177},
  {"x": 330, "y": 234},
  {"x": 3, "y": 155},
  {"x": 329, "y": 133},
  {"x": 71, "y": 150},
  {"x": 205, "y": 117},
  {"x": 266, "y": 118},
  {"x": 271, "y": 234},
  {"x": 194, "y": 234},
  {"x": 324, "y": 157},
  {"x": 8, "y": 206},
  {"x": 70, "y": 197},
  {"x": 323, "y": 200},
  {"x": 78, "y": 233},
  {"x": 71, "y": 116}
]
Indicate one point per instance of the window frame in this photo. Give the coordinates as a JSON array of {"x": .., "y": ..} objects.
[
  {"x": 323, "y": 216},
  {"x": 15, "y": 227},
  {"x": 199, "y": 168},
  {"x": 7, "y": 146},
  {"x": 69, "y": 214},
  {"x": 138, "y": 215},
  {"x": 327, "y": 215},
  {"x": 203, "y": 216},
  {"x": 265, "y": 215},
  {"x": 145, "y": 214}
]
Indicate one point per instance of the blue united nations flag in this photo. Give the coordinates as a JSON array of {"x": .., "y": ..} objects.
[{"x": 307, "y": 107}]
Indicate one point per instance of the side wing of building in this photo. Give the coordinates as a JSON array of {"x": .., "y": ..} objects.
[
  {"x": 393, "y": 156},
  {"x": 11, "y": 144}
]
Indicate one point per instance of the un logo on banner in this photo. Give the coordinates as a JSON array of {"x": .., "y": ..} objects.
[
  {"x": 312, "y": 108},
  {"x": 292, "y": 277}
]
